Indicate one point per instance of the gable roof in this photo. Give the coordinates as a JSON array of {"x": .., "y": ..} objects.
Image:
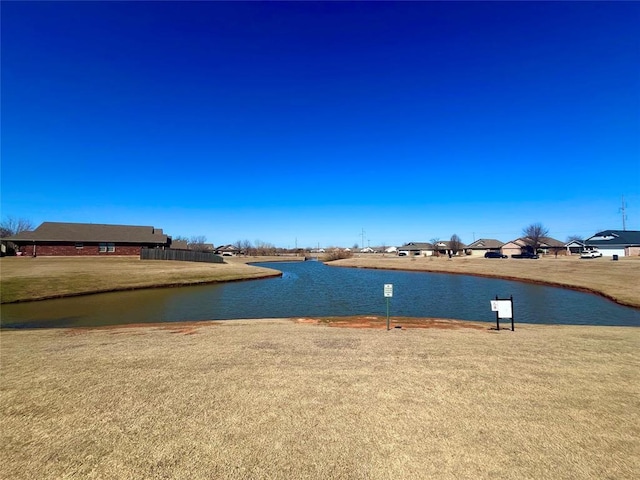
[
  {"x": 179, "y": 245},
  {"x": 227, "y": 248},
  {"x": 544, "y": 242},
  {"x": 91, "y": 232},
  {"x": 486, "y": 243},
  {"x": 614, "y": 237},
  {"x": 550, "y": 242},
  {"x": 574, "y": 243},
  {"x": 416, "y": 246},
  {"x": 447, "y": 244}
]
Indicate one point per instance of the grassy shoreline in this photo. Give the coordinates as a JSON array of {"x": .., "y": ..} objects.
[
  {"x": 319, "y": 397},
  {"x": 618, "y": 281},
  {"x": 32, "y": 279},
  {"x": 29, "y": 279}
]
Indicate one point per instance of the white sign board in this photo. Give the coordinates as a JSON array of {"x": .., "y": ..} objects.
[
  {"x": 503, "y": 307},
  {"x": 388, "y": 290}
]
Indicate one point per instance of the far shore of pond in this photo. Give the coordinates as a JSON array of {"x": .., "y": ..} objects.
[
  {"x": 618, "y": 281},
  {"x": 31, "y": 279}
]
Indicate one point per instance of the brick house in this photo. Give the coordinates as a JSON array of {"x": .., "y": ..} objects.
[
  {"x": 547, "y": 246},
  {"x": 483, "y": 245},
  {"x": 82, "y": 239}
]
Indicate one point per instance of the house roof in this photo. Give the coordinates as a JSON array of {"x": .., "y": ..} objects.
[
  {"x": 179, "y": 245},
  {"x": 551, "y": 242},
  {"x": 574, "y": 243},
  {"x": 416, "y": 246},
  {"x": 91, "y": 232},
  {"x": 614, "y": 237},
  {"x": 447, "y": 244},
  {"x": 227, "y": 248},
  {"x": 483, "y": 243},
  {"x": 544, "y": 242}
]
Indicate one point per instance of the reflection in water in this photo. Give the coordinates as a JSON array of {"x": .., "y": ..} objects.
[{"x": 314, "y": 289}]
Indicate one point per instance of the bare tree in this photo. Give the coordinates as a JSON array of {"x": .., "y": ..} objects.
[
  {"x": 12, "y": 226},
  {"x": 534, "y": 234},
  {"x": 434, "y": 242},
  {"x": 264, "y": 248},
  {"x": 197, "y": 243},
  {"x": 246, "y": 247},
  {"x": 455, "y": 244},
  {"x": 575, "y": 238}
]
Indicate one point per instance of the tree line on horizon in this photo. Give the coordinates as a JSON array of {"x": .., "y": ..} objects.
[{"x": 533, "y": 234}]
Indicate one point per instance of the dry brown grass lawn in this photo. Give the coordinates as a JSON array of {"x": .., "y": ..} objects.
[
  {"x": 286, "y": 399},
  {"x": 619, "y": 281},
  {"x": 26, "y": 278}
]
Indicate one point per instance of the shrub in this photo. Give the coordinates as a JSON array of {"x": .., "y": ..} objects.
[{"x": 336, "y": 255}]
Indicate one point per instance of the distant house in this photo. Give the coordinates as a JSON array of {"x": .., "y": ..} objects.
[
  {"x": 179, "y": 245},
  {"x": 624, "y": 243},
  {"x": 547, "y": 246},
  {"x": 443, "y": 247},
  {"x": 550, "y": 245},
  {"x": 484, "y": 245},
  {"x": 391, "y": 250},
  {"x": 75, "y": 239},
  {"x": 208, "y": 247},
  {"x": 228, "y": 250},
  {"x": 416, "y": 249},
  {"x": 574, "y": 247}
]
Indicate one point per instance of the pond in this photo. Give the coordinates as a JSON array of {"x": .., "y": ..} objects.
[{"x": 313, "y": 289}]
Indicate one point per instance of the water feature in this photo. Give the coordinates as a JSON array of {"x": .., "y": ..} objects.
[{"x": 314, "y": 289}]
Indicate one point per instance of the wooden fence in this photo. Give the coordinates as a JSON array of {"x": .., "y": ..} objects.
[{"x": 179, "y": 255}]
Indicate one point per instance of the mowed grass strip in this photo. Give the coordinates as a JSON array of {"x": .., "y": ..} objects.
[
  {"x": 616, "y": 280},
  {"x": 282, "y": 400},
  {"x": 23, "y": 279}
]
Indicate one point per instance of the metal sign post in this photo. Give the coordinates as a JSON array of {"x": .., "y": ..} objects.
[
  {"x": 388, "y": 293},
  {"x": 504, "y": 309}
]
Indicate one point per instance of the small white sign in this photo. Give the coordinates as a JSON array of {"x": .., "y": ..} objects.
[
  {"x": 503, "y": 307},
  {"x": 388, "y": 290}
]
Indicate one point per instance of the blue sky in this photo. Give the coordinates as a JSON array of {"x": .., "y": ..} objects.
[{"x": 305, "y": 123}]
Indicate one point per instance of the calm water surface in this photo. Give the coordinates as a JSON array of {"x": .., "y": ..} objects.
[{"x": 314, "y": 289}]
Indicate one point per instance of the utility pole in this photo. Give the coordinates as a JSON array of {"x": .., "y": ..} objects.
[
  {"x": 623, "y": 210},
  {"x": 362, "y": 236}
]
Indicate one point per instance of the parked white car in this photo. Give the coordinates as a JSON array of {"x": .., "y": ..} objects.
[{"x": 592, "y": 253}]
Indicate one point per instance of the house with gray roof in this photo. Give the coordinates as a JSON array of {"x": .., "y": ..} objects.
[
  {"x": 574, "y": 247},
  {"x": 483, "y": 245},
  {"x": 81, "y": 239},
  {"x": 416, "y": 249},
  {"x": 624, "y": 243},
  {"x": 444, "y": 247},
  {"x": 525, "y": 244},
  {"x": 228, "y": 250}
]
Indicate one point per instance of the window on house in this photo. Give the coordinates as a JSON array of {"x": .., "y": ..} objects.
[
  {"x": 79, "y": 245},
  {"x": 107, "y": 247}
]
